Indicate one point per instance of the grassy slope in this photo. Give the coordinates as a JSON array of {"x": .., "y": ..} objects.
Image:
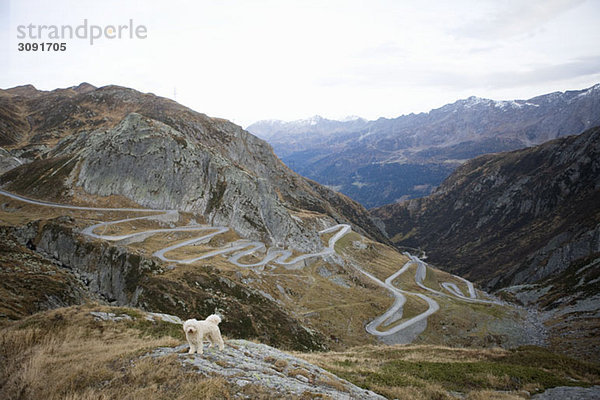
[
  {"x": 67, "y": 354},
  {"x": 430, "y": 372}
]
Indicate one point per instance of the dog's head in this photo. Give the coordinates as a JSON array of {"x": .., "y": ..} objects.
[{"x": 190, "y": 326}]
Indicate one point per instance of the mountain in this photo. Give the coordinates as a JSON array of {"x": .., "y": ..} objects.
[
  {"x": 141, "y": 202},
  {"x": 382, "y": 161},
  {"x": 509, "y": 218},
  {"x": 123, "y": 213},
  {"x": 117, "y": 141},
  {"x": 526, "y": 222},
  {"x": 291, "y": 134}
]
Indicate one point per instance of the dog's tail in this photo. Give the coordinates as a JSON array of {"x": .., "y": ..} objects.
[{"x": 215, "y": 319}]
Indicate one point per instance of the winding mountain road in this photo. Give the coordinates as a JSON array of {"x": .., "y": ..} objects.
[
  {"x": 393, "y": 313},
  {"x": 242, "y": 248},
  {"x": 237, "y": 249},
  {"x": 399, "y": 294}
]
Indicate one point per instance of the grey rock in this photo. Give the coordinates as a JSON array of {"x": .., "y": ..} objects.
[
  {"x": 569, "y": 393},
  {"x": 106, "y": 316},
  {"x": 8, "y": 161},
  {"x": 340, "y": 281},
  {"x": 558, "y": 254},
  {"x": 153, "y": 316},
  {"x": 243, "y": 362}
]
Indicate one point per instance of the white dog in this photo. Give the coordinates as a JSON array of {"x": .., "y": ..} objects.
[{"x": 196, "y": 331}]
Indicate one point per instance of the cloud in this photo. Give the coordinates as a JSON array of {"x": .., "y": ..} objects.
[
  {"x": 535, "y": 75},
  {"x": 549, "y": 73},
  {"x": 515, "y": 18},
  {"x": 386, "y": 75}
]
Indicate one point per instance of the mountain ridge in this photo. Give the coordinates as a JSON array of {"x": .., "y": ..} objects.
[
  {"x": 64, "y": 123},
  {"x": 407, "y": 156},
  {"x": 499, "y": 193}
]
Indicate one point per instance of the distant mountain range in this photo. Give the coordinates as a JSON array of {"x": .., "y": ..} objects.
[{"x": 382, "y": 161}]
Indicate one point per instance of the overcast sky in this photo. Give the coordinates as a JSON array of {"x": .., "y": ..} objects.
[{"x": 249, "y": 60}]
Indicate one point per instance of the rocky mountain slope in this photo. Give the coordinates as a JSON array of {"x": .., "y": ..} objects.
[
  {"x": 509, "y": 218},
  {"x": 379, "y": 162},
  {"x": 528, "y": 217},
  {"x": 107, "y": 141}
]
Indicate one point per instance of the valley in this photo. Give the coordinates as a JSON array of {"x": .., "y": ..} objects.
[
  {"x": 336, "y": 293},
  {"x": 126, "y": 213},
  {"x": 521, "y": 224},
  {"x": 266, "y": 261}
]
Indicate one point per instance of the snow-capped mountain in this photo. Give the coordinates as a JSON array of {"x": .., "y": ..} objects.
[
  {"x": 384, "y": 160},
  {"x": 293, "y": 130}
]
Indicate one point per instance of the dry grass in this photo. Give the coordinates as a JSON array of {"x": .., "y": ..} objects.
[
  {"x": 66, "y": 354},
  {"x": 300, "y": 371},
  {"x": 326, "y": 306},
  {"x": 280, "y": 365},
  {"x": 328, "y": 379},
  {"x": 377, "y": 259}
]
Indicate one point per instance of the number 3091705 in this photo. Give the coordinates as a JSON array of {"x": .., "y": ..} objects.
[{"x": 48, "y": 46}]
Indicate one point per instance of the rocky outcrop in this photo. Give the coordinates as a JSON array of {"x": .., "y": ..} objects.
[
  {"x": 569, "y": 393},
  {"x": 509, "y": 218},
  {"x": 552, "y": 259},
  {"x": 8, "y": 161},
  {"x": 242, "y": 363},
  {"x": 109, "y": 271},
  {"x": 151, "y": 150},
  {"x": 30, "y": 283}
]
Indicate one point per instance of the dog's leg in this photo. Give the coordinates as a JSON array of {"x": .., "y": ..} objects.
[
  {"x": 221, "y": 344},
  {"x": 211, "y": 340},
  {"x": 217, "y": 339},
  {"x": 192, "y": 348},
  {"x": 200, "y": 344}
]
